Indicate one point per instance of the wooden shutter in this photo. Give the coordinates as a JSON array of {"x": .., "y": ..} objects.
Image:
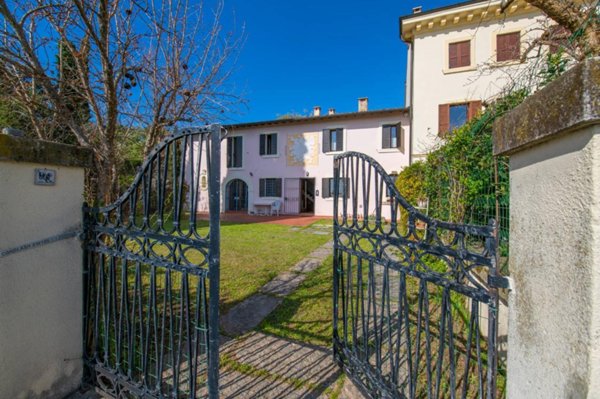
[
  {"x": 262, "y": 188},
  {"x": 237, "y": 153},
  {"x": 273, "y": 147},
  {"x": 474, "y": 107},
  {"x": 453, "y": 55},
  {"x": 400, "y": 137},
  {"x": 443, "y": 119},
  {"x": 263, "y": 139},
  {"x": 325, "y": 189},
  {"x": 465, "y": 54},
  {"x": 386, "y": 137},
  {"x": 339, "y": 140},
  {"x": 508, "y": 46},
  {"x": 326, "y": 141}
]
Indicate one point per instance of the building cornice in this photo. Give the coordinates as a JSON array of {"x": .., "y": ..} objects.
[{"x": 460, "y": 15}]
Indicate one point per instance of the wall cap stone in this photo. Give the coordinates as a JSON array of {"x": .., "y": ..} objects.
[
  {"x": 570, "y": 102},
  {"x": 21, "y": 149}
]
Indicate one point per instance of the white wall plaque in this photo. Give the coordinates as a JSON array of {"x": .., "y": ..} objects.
[{"x": 45, "y": 177}]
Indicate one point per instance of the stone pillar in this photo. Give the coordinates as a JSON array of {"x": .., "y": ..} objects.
[
  {"x": 40, "y": 286},
  {"x": 553, "y": 141}
]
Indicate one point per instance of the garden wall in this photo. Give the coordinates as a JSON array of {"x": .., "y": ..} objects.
[{"x": 41, "y": 285}]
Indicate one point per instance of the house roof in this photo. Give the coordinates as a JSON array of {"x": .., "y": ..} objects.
[
  {"x": 459, "y": 14},
  {"x": 322, "y": 118}
]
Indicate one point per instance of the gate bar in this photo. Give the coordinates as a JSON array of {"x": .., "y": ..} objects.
[{"x": 214, "y": 199}]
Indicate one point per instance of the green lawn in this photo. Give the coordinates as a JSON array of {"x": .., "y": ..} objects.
[
  {"x": 253, "y": 254},
  {"x": 306, "y": 314}
]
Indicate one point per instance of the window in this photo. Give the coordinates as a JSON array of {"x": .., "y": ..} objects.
[
  {"x": 452, "y": 116},
  {"x": 333, "y": 140},
  {"x": 459, "y": 54},
  {"x": 270, "y": 187},
  {"x": 508, "y": 47},
  {"x": 392, "y": 137},
  {"x": 268, "y": 144},
  {"x": 234, "y": 152},
  {"x": 328, "y": 187},
  {"x": 558, "y": 37}
]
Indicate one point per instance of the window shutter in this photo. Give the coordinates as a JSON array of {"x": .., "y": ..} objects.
[
  {"x": 474, "y": 107},
  {"x": 444, "y": 119},
  {"x": 278, "y": 187},
  {"x": 465, "y": 54},
  {"x": 453, "y": 55},
  {"x": 386, "y": 139},
  {"x": 326, "y": 141},
  {"x": 514, "y": 44},
  {"x": 273, "y": 149},
  {"x": 229, "y": 151},
  {"x": 400, "y": 139},
  {"x": 340, "y": 140},
  {"x": 261, "y": 187},
  {"x": 237, "y": 154},
  {"x": 263, "y": 139},
  {"x": 325, "y": 192}
]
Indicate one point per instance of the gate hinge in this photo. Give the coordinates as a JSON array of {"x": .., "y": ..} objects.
[{"x": 499, "y": 282}]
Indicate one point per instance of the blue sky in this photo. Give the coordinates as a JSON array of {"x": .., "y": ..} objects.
[{"x": 302, "y": 53}]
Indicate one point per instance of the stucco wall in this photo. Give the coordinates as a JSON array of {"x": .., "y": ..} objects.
[
  {"x": 433, "y": 84},
  {"x": 40, "y": 288},
  {"x": 554, "y": 315}
]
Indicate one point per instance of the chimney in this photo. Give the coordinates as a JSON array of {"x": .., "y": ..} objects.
[
  {"x": 331, "y": 111},
  {"x": 417, "y": 10},
  {"x": 317, "y": 111},
  {"x": 363, "y": 104}
]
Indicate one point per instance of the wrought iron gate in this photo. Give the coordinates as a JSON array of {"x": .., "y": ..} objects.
[
  {"x": 151, "y": 271},
  {"x": 411, "y": 294}
]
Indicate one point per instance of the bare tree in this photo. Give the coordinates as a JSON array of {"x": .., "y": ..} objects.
[
  {"x": 581, "y": 18},
  {"x": 139, "y": 66}
]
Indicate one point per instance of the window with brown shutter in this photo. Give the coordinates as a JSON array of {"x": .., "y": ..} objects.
[
  {"x": 452, "y": 116},
  {"x": 508, "y": 47},
  {"x": 459, "y": 54}
]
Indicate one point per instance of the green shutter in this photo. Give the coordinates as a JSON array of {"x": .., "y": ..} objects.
[
  {"x": 263, "y": 138},
  {"x": 326, "y": 141},
  {"x": 325, "y": 192},
  {"x": 387, "y": 131},
  {"x": 400, "y": 139},
  {"x": 273, "y": 149},
  {"x": 340, "y": 140},
  {"x": 261, "y": 188}
]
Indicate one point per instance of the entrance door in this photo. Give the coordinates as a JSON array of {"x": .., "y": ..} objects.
[
  {"x": 291, "y": 204},
  {"x": 237, "y": 195},
  {"x": 307, "y": 195}
]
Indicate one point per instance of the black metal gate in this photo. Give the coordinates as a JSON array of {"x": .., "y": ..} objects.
[
  {"x": 411, "y": 294},
  {"x": 151, "y": 270}
]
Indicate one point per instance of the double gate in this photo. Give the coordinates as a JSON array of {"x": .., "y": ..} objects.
[
  {"x": 151, "y": 271},
  {"x": 415, "y": 299}
]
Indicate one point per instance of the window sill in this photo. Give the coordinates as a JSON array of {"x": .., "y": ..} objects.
[
  {"x": 241, "y": 168},
  {"x": 448, "y": 71},
  {"x": 388, "y": 150},
  {"x": 334, "y": 152},
  {"x": 500, "y": 64},
  {"x": 270, "y": 156}
]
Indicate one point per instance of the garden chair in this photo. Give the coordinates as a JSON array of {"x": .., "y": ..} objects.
[{"x": 276, "y": 207}]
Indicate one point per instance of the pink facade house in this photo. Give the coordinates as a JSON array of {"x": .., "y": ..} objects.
[{"x": 286, "y": 165}]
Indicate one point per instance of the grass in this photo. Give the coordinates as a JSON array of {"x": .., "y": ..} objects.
[
  {"x": 306, "y": 314},
  {"x": 253, "y": 254}
]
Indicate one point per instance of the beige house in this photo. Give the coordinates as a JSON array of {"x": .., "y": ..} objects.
[{"x": 461, "y": 56}]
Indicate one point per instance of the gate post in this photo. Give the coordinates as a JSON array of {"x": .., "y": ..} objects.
[
  {"x": 214, "y": 189},
  {"x": 553, "y": 141}
]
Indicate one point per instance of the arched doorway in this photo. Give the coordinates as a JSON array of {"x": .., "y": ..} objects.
[{"x": 236, "y": 195}]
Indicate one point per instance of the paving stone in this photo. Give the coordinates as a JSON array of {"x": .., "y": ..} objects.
[
  {"x": 350, "y": 390},
  {"x": 284, "y": 284},
  {"x": 289, "y": 359},
  {"x": 235, "y": 385},
  {"x": 306, "y": 266},
  {"x": 320, "y": 253},
  {"x": 248, "y": 314}
]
